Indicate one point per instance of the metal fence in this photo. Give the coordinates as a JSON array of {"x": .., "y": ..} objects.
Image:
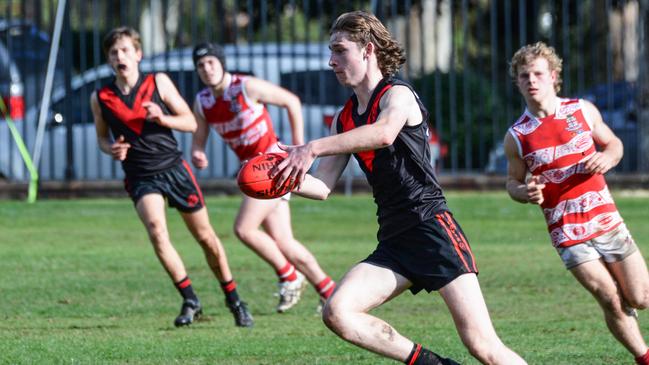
[{"x": 458, "y": 54}]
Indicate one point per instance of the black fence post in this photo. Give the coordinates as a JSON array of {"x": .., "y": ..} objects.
[{"x": 67, "y": 104}]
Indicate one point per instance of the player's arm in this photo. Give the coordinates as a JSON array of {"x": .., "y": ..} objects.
[
  {"x": 119, "y": 148},
  {"x": 320, "y": 185},
  {"x": 611, "y": 148},
  {"x": 181, "y": 117},
  {"x": 322, "y": 182},
  {"x": 268, "y": 93},
  {"x": 396, "y": 107},
  {"x": 519, "y": 190},
  {"x": 199, "y": 138}
]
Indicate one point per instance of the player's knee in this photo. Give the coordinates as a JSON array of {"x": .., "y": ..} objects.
[
  {"x": 207, "y": 240},
  {"x": 242, "y": 233},
  {"x": 333, "y": 318},
  {"x": 612, "y": 303},
  {"x": 328, "y": 316},
  {"x": 157, "y": 231},
  {"x": 483, "y": 348},
  {"x": 639, "y": 300},
  {"x": 609, "y": 298}
]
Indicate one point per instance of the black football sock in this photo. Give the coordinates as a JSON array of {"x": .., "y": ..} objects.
[
  {"x": 230, "y": 290},
  {"x": 422, "y": 356},
  {"x": 184, "y": 286}
]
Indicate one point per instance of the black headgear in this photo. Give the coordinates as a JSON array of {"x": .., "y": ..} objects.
[{"x": 208, "y": 49}]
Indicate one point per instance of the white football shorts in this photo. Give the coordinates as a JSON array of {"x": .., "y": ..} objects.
[{"x": 612, "y": 246}]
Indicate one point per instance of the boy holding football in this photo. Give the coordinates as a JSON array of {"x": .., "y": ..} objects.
[{"x": 421, "y": 246}]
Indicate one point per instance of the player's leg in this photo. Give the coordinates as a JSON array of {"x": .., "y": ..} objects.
[
  {"x": 633, "y": 278},
  {"x": 362, "y": 289},
  {"x": 199, "y": 225},
  {"x": 151, "y": 210},
  {"x": 252, "y": 213},
  {"x": 625, "y": 262},
  {"x": 247, "y": 227},
  {"x": 278, "y": 226},
  {"x": 184, "y": 194},
  {"x": 467, "y": 306},
  {"x": 597, "y": 279}
]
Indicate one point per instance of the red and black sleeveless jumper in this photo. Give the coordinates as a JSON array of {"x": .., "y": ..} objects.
[
  {"x": 403, "y": 181},
  {"x": 153, "y": 147}
]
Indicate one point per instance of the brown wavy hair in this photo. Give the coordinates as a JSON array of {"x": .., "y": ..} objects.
[
  {"x": 118, "y": 33},
  {"x": 527, "y": 54},
  {"x": 363, "y": 28}
]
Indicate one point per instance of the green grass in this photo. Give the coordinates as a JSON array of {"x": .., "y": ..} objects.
[{"x": 79, "y": 284}]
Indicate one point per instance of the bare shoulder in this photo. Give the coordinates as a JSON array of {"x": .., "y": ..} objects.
[
  {"x": 590, "y": 108},
  {"x": 261, "y": 86},
  {"x": 398, "y": 95},
  {"x": 94, "y": 103},
  {"x": 588, "y": 104},
  {"x": 166, "y": 87},
  {"x": 163, "y": 80},
  {"x": 509, "y": 144}
]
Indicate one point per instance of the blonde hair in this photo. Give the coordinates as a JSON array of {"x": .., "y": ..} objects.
[
  {"x": 527, "y": 54},
  {"x": 364, "y": 28}
]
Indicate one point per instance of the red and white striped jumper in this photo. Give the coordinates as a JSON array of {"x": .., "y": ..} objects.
[
  {"x": 244, "y": 124},
  {"x": 577, "y": 205}
]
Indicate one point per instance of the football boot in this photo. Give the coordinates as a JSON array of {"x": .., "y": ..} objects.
[
  {"x": 190, "y": 310},
  {"x": 242, "y": 317}
]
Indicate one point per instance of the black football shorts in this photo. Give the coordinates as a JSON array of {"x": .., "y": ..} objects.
[
  {"x": 430, "y": 254},
  {"x": 178, "y": 185}
]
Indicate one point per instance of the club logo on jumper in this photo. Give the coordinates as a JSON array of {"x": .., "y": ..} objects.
[
  {"x": 573, "y": 124},
  {"x": 235, "y": 106},
  {"x": 207, "y": 99}
]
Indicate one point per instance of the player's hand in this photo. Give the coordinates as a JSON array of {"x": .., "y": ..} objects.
[
  {"x": 535, "y": 190},
  {"x": 153, "y": 112},
  {"x": 599, "y": 163},
  {"x": 199, "y": 159},
  {"x": 292, "y": 170},
  {"x": 119, "y": 148}
]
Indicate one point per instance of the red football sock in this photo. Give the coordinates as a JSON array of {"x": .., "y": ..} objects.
[
  {"x": 287, "y": 273},
  {"x": 185, "y": 288},
  {"x": 325, "y": 287},
  {"x": 230, "y": 290},
  {"x": 643, "y": 360}
]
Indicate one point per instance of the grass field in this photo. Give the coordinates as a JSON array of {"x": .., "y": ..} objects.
[{"x": 80, "y": 285}]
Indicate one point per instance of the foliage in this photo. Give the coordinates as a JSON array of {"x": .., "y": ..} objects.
[{"x": 462, "y": 106}]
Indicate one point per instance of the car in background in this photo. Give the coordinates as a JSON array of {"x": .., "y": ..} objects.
[
  {"x": 11, "y": 86},
  {"x": 301, "y": 68},
  {"x": 24, "y": 52}
]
